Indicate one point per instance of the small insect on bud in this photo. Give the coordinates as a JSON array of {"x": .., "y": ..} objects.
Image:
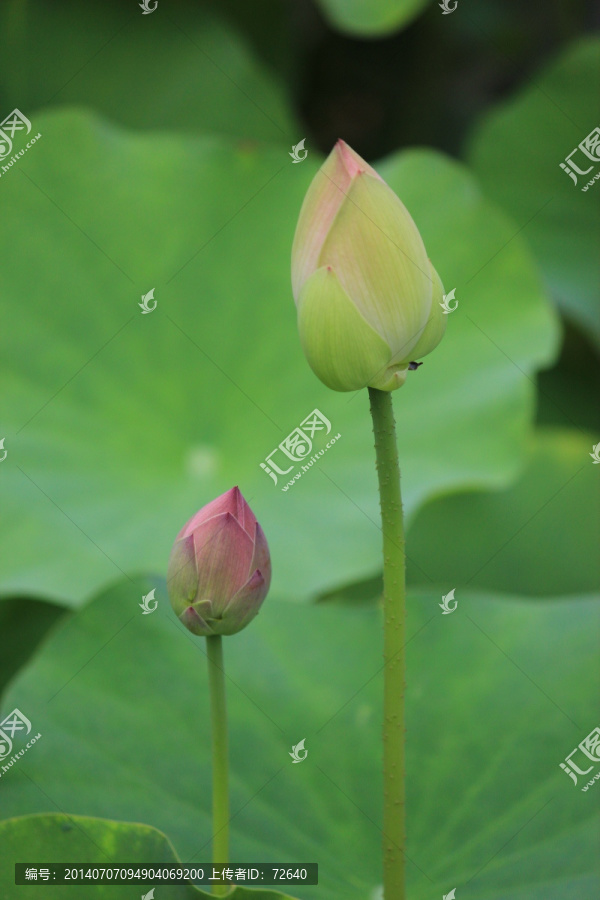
[{"x": 220, "y": 568}]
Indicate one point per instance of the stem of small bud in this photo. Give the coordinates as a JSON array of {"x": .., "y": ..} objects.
[{"x": 220, "y": 756}]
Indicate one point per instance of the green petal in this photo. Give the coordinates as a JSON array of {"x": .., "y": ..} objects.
[
  {"x": 436, "y": 324},
  {"x": 341, "y": 347},
  {"x": 323, "y": 199},
  {"x": 326, "y": 193},
  {"x": 182, "y": 576},
  {"x": 393, "y": 377},
  {"x": 379, "y": 257}
]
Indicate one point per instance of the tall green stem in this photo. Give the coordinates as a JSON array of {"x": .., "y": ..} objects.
[
  {"x": 394, "y": 599},
  {"x": 220, "y": 755}
]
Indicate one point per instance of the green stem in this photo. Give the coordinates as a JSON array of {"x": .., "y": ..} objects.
[
  {"x": 394, "y": 600},
  {"x": 220, "y": 755}
]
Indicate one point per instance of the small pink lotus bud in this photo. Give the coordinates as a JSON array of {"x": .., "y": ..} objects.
[{"x": 220, "y": 568}]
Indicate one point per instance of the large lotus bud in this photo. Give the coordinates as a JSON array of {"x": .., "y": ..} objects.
[
  {"x": 366, "y": 293},
  {"x": 220, "y": 568}
]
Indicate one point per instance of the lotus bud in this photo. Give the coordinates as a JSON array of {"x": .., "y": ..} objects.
[
  {"x": 366, "y": 294},
  {"x": 220, "y": 568}
]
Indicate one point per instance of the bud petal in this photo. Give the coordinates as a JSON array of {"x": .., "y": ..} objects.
[
  {"x": 341, "y": 347},
  {"x": 223, "y": 556},
  {"x": 436, "y": 323},
  {"x": 230, "y": 502},
  {"x": 192, "y": 619},
  {"x": 245, "y": 605},
  {"x": 323, "y": 199},
  {"x": 393, "y": 377},
  {"x": 379, "y": 257},
  {"x": 183, "y": 575},
  {"x": 261, "y": 559}
]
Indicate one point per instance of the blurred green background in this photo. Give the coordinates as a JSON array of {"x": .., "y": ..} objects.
[{"x": 164, "y": 162}]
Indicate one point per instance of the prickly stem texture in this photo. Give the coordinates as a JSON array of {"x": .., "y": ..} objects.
[{"x": 394, "y": 600}]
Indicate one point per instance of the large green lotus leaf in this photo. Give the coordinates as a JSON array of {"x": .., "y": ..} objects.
[
  {"x": 568, "y": 392},
  {"x": 371, "y": 18},
  {"x": 182, "y": 67},
  {"x": 80, "y": 839},
  {"x": 24, "y": 622},
  {"x": 517, "y": 151},
  {"x": 119, "y": 425},
  {"x": 499, "y": 692},
  {"x": 540, "y": 536}
]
